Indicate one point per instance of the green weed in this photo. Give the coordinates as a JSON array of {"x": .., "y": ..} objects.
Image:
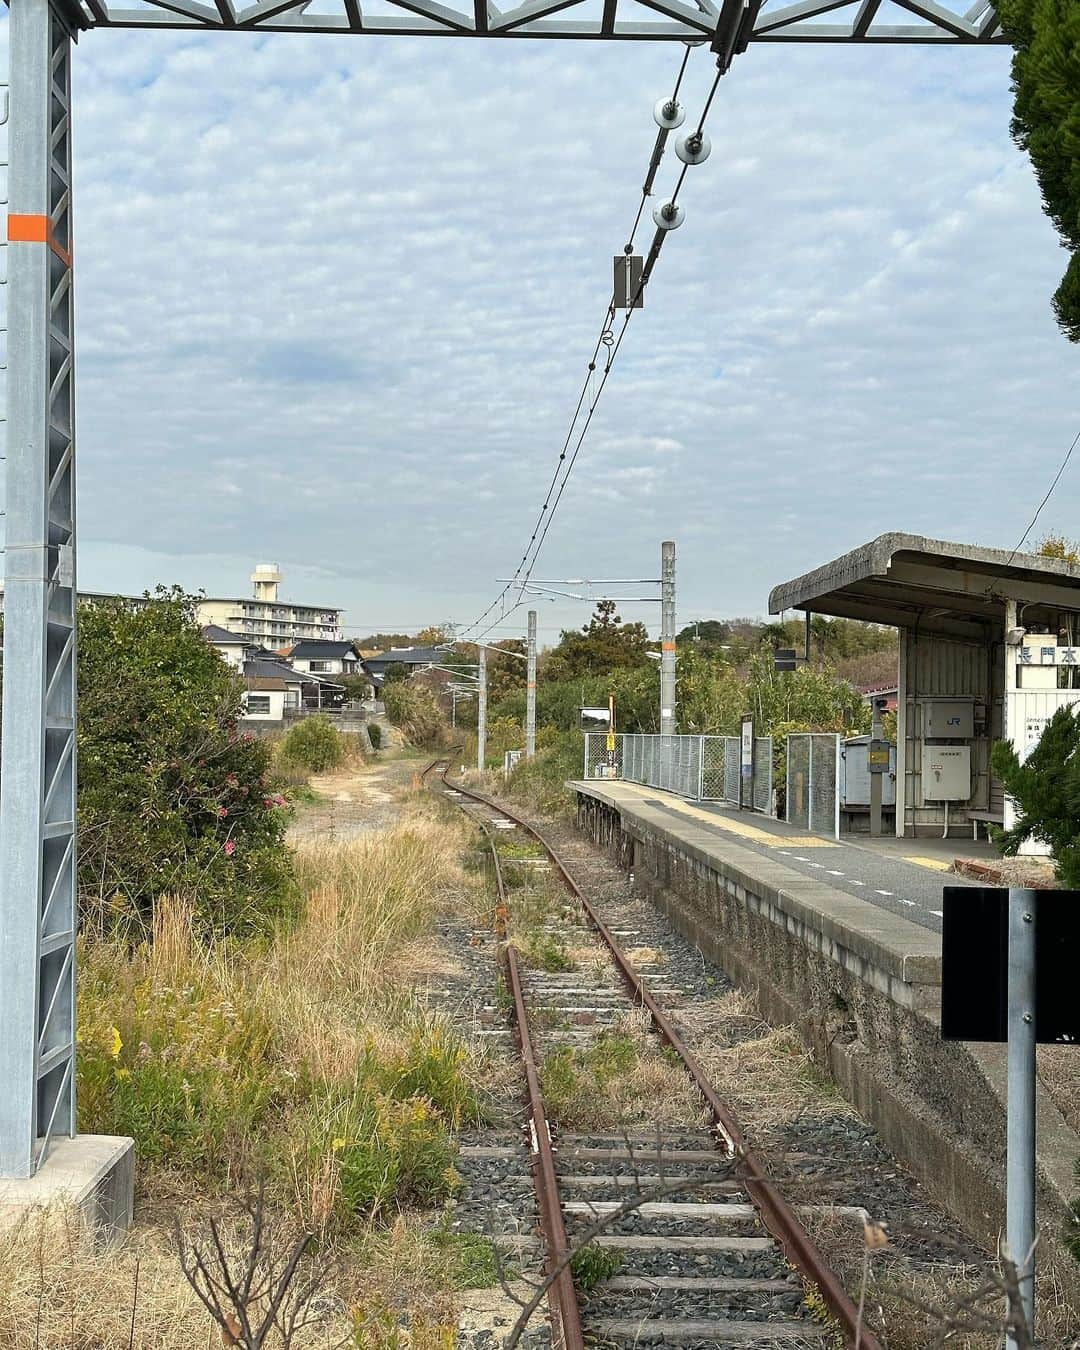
[{"x": 592, "y": 1263}]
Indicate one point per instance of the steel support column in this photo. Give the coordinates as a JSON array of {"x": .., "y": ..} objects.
[
  {"x": 37, "y": 819},
  {"x": 668, "y": 720},
  {"x": 530, "y": 689}
]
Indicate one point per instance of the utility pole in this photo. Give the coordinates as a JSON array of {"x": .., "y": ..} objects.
[
  {"x": 530, "y": 689},
  {"x": 481, "y": 713},
  {"x": 667, "y": 638}
]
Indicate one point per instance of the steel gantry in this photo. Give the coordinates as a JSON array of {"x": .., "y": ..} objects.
[
  {"x": 38, "y": 848},
  {"x": 643, "y": 20}
]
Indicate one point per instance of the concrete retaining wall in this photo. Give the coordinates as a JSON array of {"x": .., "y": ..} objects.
[{"x": 862, "y": 986}]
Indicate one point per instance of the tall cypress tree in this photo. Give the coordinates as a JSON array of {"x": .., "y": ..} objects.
[{"x": 1046, "y": 122}]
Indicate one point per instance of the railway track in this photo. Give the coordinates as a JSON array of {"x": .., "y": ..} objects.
[{"x": 680, "y": 1237}]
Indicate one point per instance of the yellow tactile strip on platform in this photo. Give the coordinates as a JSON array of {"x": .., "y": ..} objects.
[{"x": 734, "y": 825}]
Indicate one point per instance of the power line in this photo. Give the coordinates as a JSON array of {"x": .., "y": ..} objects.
[
  {"x": 668, "y": 115},
  {"x": 1049, "y": 494}
]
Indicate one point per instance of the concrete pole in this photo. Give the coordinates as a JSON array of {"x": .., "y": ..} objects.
[
  {"x": 1020, "y": 1121},
  {"x": 481, "y": 714},
  {"x": 668, "y": 719},
  {"x": 530, "y": 689}
]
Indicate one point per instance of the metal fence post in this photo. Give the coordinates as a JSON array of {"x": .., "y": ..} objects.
[
  {"x": 1020, "y": 1130},
  {"x": 37, "y": 820},
  {"x": 836, "y": 792}
]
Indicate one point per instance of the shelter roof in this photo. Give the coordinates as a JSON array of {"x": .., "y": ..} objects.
[{"x": 914, "y": 582}]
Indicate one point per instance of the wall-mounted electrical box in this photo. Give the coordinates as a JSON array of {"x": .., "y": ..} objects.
[
  {"x": 948, "y": 719},
  {"x": 946, "y": 773}
]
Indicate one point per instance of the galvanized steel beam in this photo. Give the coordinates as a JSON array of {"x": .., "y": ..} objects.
[
  {"x": 37, "y": 823},
  {"x": 926, "y": 21}
]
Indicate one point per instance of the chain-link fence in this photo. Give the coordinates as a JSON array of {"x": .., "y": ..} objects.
[
  {"x": 813, "y": 782},
  {"x": 703, "y": 768},
  {"x": 600, "y": 762},
  {"x": 672, "y": 763}
]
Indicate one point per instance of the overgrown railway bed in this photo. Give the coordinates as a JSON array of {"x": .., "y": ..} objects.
[{"x": 679, "y": 1236}]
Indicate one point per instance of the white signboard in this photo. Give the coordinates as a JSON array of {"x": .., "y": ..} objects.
[{"x": 1048, "y": 654}]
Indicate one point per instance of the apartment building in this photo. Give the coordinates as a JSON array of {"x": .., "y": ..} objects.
[{"x": 267, "y": 619}]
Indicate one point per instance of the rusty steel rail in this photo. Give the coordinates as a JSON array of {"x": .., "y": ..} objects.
[
  {"x": 776, "y": 1214},
  {"x": 562, "y": 1296}
]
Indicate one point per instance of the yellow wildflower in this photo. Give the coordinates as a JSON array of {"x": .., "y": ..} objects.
[
  {"x": 338, "y": 1144},
  {"x": 117, "y": 1044},
  {"x": 123, "y": 1073}
]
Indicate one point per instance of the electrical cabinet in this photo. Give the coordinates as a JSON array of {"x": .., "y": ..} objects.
[
  {"x": 946, "y": 719},
  {"x": 946, "y": 773}
]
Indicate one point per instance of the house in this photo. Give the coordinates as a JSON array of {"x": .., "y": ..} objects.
[
  {"x": 412, "y": 658},
  {"x": 322, "y": 656},
  {"x": 265, "y": 618},
  {"x": 273, "y": 689},
  {"x": 231, "y": 647}
]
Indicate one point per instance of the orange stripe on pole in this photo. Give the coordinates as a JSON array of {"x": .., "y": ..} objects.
[
  {"x": 667, "y": 646},
  {"x": 24, "y": 229}
]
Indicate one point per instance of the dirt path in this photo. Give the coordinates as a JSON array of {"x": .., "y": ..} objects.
[{"x": 358, "y": 798}]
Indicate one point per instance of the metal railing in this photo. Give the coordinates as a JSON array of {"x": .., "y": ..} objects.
[
  {"x": 701, "y": 768},
  {"x": 813, "y": 782}
]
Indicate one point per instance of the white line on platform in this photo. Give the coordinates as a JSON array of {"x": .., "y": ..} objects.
[
  {"x": 799, "y": 858},
  {"x": 857, "y": 883},
  {"x": 833, "y": 872},
  {"x": 938, "y": 913},
  {"x": 884, "y": 892},
  {"x": 905, "y": 902}
]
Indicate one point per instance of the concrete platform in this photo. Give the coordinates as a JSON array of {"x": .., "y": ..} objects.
[
  {"x": 95, "y": 1173},
  {"x": 780, "y": 914}
]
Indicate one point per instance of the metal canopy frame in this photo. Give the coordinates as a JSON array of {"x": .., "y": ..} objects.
[
  {"x": 882, "y": 21},
  {"x": 38, "y": 845}
]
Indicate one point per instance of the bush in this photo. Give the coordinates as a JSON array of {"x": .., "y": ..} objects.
[
  {"x": 1046, "y": 790},
  {"x": 315, "y": 744},
  {"x": 374, "y": 732},
  {"x": 415, "y": 711},
  {"x": 173, "y": 798}
]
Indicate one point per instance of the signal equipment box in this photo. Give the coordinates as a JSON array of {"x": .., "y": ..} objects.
[
  {"x": 946, "y": 773},
  {"x": 946, "y": 719}
]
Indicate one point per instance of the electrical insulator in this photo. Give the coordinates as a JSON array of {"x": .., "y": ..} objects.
[
  {"x": 693, "y": 147},
  {"x": 668, "y": 215},
  {"x": 668, "y": 113}
]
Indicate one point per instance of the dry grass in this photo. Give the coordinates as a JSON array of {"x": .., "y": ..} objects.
[
  {"x": 764, "y": 1073},
  {"x": 1059, "y": 1072},
  {"x": 911, "y": 1306},
  {"x": 58, "y": 1290},
  {"x": 623, "y": 1077}
]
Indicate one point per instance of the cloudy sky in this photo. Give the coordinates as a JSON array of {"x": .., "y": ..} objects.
[{"x": 336, "y": 296}]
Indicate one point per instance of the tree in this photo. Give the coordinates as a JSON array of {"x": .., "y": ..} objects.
[
  {"x": 173, "y": 797},
  {"x": 395, "y": 673},
  {"x": 705, "y": 632},
  {"x": 1046, "y": 123},
  {"x": 605, "y": 643},
  {"x": 1045, "y": 788}
]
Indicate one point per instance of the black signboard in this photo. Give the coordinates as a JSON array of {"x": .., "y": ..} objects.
[
  {"x": 784, "y": 659},
  {"x": 975, "y": 964}
]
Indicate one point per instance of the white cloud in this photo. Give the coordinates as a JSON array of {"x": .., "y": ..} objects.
[{"x": 336, "y": 298}]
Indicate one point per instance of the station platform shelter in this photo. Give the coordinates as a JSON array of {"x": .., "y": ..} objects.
[{"x": 988, "y": 651}]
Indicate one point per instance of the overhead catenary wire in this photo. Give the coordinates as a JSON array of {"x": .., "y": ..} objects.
[
  {"x": 1049, "y": 494},
  {"x": 606, "y": 337}
]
